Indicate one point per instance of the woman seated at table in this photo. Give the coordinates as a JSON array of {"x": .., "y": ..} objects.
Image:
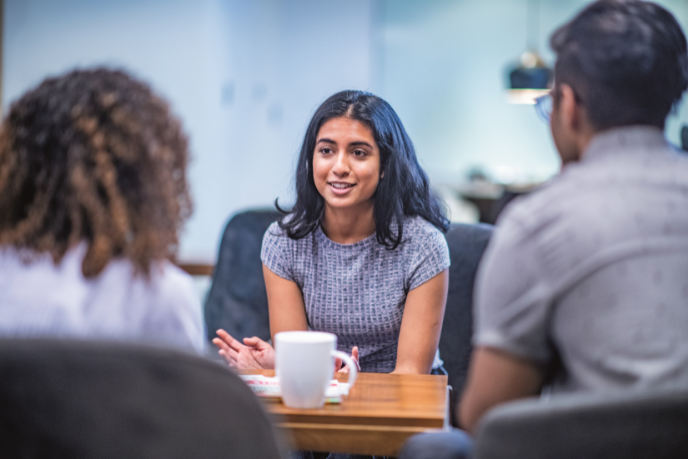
[
  {"x": 92, "y": 195},
  {"x": 362, "y": 254}
]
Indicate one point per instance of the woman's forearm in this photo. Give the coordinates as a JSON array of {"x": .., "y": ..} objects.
[{"x": 421, "y": 326}]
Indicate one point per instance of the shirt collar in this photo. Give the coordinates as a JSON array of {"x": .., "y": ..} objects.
[{"x": 622, "y": 139}]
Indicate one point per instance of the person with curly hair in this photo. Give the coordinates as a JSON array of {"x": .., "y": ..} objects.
[{"x": 93, "y": 194}]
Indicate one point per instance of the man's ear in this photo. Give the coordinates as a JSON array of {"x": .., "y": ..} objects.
[{"x": 568, "y": 108}]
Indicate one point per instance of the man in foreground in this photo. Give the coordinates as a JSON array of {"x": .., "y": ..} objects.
[{"x": 588, "y": 276}]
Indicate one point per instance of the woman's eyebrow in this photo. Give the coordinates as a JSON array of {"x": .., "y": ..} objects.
[
  {"x": 325, "y": 140},
  {"x": 360, "y": 142}
]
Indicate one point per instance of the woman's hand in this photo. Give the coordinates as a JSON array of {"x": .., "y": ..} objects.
[
  {"x": 253, "y": 354},
  {"x": 338, "y": 362}
]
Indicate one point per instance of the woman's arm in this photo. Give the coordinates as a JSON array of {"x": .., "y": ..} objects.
[
  {"x": 287, "y": 313},
  {"x": 285, "y": 304},
  {"x": 421, "y": 325}
]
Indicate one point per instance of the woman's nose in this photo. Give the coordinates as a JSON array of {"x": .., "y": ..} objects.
[{"x": 341, "y": 166}]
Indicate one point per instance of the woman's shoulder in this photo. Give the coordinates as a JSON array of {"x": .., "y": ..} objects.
[
  {"x": 166, "y": 284},
  {"x": 278, "y": 248},
  {"x": 276, "y": 236},
  {"x": 275, "y": 230},
  {"x": 174, "y": 311},
  {"x": 417, "y": 228},
  {"x": 421, "y": 236}
]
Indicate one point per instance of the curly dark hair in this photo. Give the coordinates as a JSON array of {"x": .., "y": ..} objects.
[{"x": 93, "y": 156}]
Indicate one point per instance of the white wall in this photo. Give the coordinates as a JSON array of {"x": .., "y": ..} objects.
[
  {"x": 443, "y": 68},
  {"x": 244, "y": 76}
]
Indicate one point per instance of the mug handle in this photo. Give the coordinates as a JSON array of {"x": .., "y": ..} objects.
[{"x": 353, "y": 370}]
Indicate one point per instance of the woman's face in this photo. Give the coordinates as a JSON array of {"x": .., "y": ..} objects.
[{"x": 346, "y": 164}]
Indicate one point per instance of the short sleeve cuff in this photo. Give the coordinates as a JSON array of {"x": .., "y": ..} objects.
[
  {"x": 274, "y": 251},
  {"x": 428, "y": 274},
  {"x": 496, "y": 340},
  {"x": 433, "y": 260}
]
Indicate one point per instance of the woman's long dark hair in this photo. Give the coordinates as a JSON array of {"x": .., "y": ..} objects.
[{"x": 404, "y": 191}]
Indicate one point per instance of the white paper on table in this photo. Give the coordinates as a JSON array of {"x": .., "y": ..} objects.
[{"x": 266, "y": 386}]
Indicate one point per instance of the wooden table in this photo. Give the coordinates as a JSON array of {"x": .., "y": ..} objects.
[{"x": 379, "y": 414}]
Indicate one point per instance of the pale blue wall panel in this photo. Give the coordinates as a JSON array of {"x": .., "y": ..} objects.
[{"x": 244, "y": 76}]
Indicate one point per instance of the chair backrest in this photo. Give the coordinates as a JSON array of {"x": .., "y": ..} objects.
[
  {"x": 237, "y": 300},
  {"x": 630, "y": 425},
  {"x": 83, "y": 399},
  {"x": 466, "y": 246}
]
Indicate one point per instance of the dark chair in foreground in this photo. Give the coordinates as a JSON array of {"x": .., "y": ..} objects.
[
  {"x": 81, "y": 399},
  {"x": 466, "y": 246},
  {"x": 237, "y": 301},
  {"x": 593, "y": 426}
]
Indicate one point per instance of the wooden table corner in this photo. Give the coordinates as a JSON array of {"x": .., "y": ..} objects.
[{"x": 379, "y": 414}]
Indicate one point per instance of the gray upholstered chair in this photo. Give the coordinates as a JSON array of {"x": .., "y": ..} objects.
[
  {"x": 237, "y": 300},
  {"x": 466, "y": 246},
  {"x": 82, "y": 399},
  {"x": 624, "y": 425}
]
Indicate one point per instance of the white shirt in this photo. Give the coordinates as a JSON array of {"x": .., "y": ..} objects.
[{"x": 40, "y": 299}]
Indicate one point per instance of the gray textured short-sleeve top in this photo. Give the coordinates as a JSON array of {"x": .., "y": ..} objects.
[{"x": 358, "y": 291}]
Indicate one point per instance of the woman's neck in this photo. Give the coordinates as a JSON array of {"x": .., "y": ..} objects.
[{"x": 347, "y": 226}]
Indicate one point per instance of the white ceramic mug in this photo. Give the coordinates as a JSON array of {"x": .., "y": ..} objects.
[{"x": 304, "y": 364}]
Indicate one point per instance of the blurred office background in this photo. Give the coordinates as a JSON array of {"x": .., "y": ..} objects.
[{"x": 245, "y": 76}]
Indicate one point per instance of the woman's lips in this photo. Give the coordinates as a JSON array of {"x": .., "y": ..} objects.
[{"x": 340, "y": 188}]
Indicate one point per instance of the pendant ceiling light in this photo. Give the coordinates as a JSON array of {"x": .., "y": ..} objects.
[{"x": 530, "y": 78}]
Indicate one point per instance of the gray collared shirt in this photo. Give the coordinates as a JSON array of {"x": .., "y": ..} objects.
[{"x": 594, "y": 267}]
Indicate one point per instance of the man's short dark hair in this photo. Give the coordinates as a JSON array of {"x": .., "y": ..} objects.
[{"x": 626, "y": 60}]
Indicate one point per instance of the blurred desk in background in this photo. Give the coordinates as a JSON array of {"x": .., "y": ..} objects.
[
  {"x": 197, "y": 269},
  {"x": 490, "y": 198}
]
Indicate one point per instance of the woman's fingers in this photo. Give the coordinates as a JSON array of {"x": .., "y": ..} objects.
[
  {"x": 230, "y": 362},
  {"x": 354, "y": 356},
  {"x": 223, "y": 334},
  {"x": 232, "y": 354},
  {"x": 256, "y": 342},
  {"x": 220, "y": 344},
  {"x": 229, "y": 340}
]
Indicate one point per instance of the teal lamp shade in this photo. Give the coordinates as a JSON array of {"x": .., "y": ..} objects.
[{"x": 530, "y": 79}]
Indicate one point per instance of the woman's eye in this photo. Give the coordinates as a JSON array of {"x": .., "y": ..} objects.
[
  {"x": 359, "y": 153},
  {"x": 325, "y": 151}
]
